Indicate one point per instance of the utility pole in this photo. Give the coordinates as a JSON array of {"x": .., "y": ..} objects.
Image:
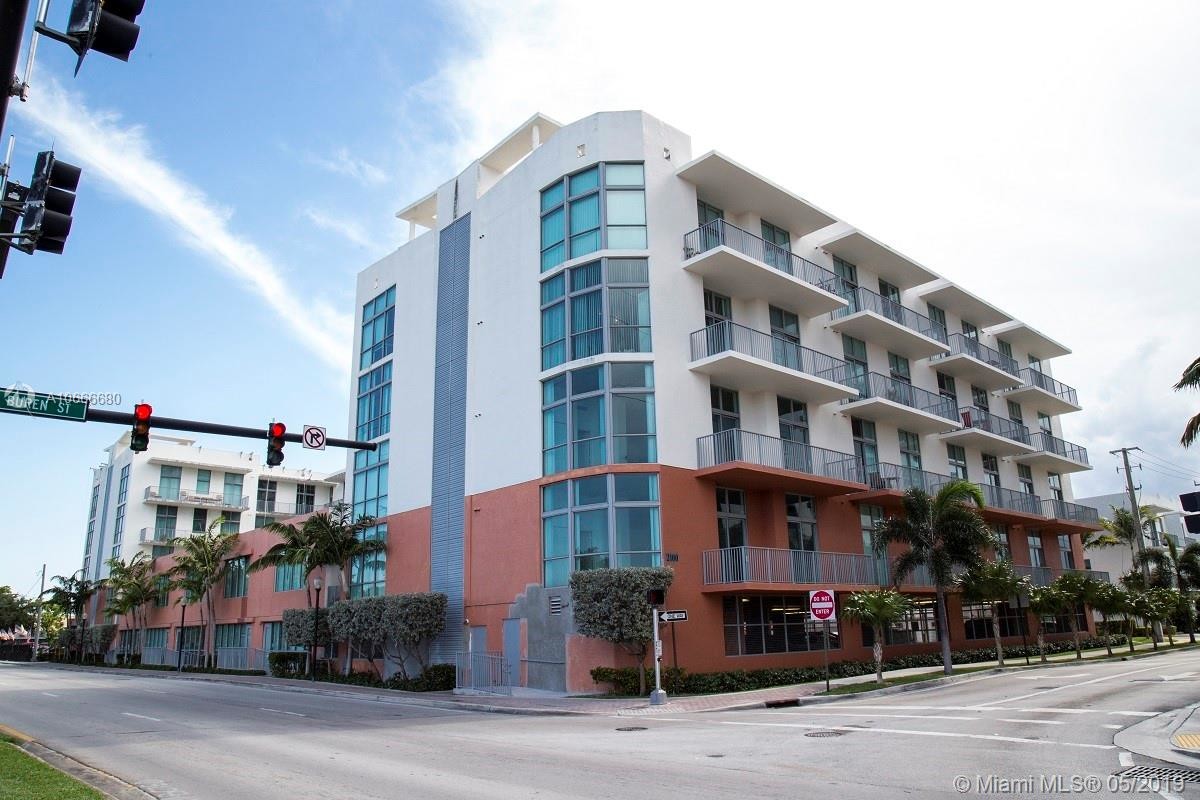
[
  {"x": 37, "y": 620},
  {"x": 1137, "y": 517}
]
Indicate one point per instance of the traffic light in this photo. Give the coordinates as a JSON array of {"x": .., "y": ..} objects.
[
  {"x": 275, "y": 433},
  {"x": 656, "y": 597},
  {"x": 139, "y": 438},
  {"x": 106, "y": 26},
  {"x": 48, "y": 204}
]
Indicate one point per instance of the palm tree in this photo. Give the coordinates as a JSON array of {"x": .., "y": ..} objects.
[
  {"x": 339, "y": 540},
  {"x": 203, "y": 558},
  {"x": 71, "y": 595},
  {"x": 298, "y": 546},
  {"x": 1123, "y": 528},
  {"x": 1171, "y": 567},
  {"x": 877, "y": 608},
  {"x": 942, "y": 532},
  {"x": 131, "y": 588},
  {"x": 1109, "y": 599},
  {"x": 1044, "y": 601},
  {"x": 191, "y": 590},
  {"x": 1166, "y": 603},
  {"x": 993, "y": 582},
  {"x": 1077, "y": 589},
  {"x": 1190, "y": 379}
]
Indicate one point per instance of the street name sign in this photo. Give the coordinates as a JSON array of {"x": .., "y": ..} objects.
[
  {"x": 37, "y": 404},
  {"x": 673, "y": 616},
  {"x": 821, "y": 605}
]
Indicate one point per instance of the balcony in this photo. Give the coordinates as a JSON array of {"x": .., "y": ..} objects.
[
  {"x": 272, "y": 509},
  {"x": 1009, "y": 504},
  {"x": 185, "y": 497},
  {"x": 1073, "y": 515},
  {"x": 886, "y": 399},
  {"x": 1044, "y": 393},
  {"x": 738, "y": 357},
  {"x": 152, "y": 537},
  {"x": 739, "y": 264},
  {"x": 754, "y": 461},
  {"x": 1044, "y": 576},
  {"x": 1054, "y": 454},
  {"x": 874, "y": 318},
  {"x": 977, "y": 363},
  {"x": 991, "y": 434},
  {"x": 887, "y": 482},
  {"x": 736, "y": 566}
]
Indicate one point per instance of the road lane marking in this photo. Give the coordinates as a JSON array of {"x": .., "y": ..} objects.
[
  {"x": 50, "y": 694},
  {"x": 277, "y": 711},
  {"x": 1033, "y": 721},
  {"x": 1133, "y": 713},
  {"x": 1021, "y": 710},
  {"x": 141, "y": 716},
  {"x": 1070, "y": 686},
  {"x": 1125, "y": 758},
  {"x": 910, "y": 732},
  {"x": 153, "y": 691},
  {"x": 1052, "y": 676},
  {"x": 878, "y": 716},
  {"x": 1113, "y": 727}
]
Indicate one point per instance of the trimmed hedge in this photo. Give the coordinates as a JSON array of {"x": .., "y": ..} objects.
[
  {"x": 624, "y": 680},
  {"x": 286, "y": 665},
  {"x": 437, "y": 678}
]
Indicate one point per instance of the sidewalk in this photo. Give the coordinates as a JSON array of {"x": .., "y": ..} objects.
[{"x": 533, "y": 701}]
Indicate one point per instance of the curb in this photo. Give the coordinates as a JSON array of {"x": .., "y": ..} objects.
[{"x": 103, "y": 782}]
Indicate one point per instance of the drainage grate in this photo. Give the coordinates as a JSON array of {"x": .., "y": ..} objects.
[
  {"x": 1162, "y": 773},
  {"x": 632, "y": 728},
  {"x": 823, "y": 734}
]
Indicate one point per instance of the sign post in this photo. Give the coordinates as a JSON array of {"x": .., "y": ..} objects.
[
  {"x": 822, "y": 607},
  {"x": 673, "y": 617},
  {"x": 658, "y": 696}
]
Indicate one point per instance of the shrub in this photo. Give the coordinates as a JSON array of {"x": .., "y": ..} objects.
[
  {"x": 286, "y": 665},
  {"x": 610, "y": 604},
  {"x": 437, "y": 678},
  {"x": 298, "y": 627}
]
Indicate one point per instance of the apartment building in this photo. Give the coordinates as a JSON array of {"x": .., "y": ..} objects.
[
  {"x": 1167, "y": 524},
  {"x": 140, "y": 501},
  {"x": 598, "y": 349}
]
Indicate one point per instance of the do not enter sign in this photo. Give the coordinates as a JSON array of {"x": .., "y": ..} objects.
[{"x": 821, "y": 605}]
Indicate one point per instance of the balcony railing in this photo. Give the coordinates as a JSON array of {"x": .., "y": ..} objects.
[
  {"x": 725, "y": 336},
  {"x": 1048, "y": 443},
  {"x": 270, "y": 507},
  {"x": 719, "y": 232},
  {"x": 863, "y": 299},
  {"x": 965, "y": 345},
  {"x": 979, "y": 419},
  {"x": 769, "y": 451},
  {"x": 884, "y": 387},
  {"x": 188, "y": 497},
  {"x": 998, "y": 497},
  {"x": 776, "y": 565},
  {"x": 1061, "y": 509},
  {"x": 1044, "y": 576},
  {"x": 895, "y": 476},
  {"x": 160, "y": 537},
  {"x": 1032, "y": 377}
]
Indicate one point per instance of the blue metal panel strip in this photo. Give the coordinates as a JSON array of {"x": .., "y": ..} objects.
[{"x": 448, "y": 494}]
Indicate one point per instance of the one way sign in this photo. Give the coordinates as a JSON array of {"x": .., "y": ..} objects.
[{"x": 673, "y": 616}]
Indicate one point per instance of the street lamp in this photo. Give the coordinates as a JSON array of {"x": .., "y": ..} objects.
[{"x": 312, "y": 658}]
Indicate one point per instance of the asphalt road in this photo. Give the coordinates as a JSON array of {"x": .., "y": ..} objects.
[{"x": 193, "y": 739}]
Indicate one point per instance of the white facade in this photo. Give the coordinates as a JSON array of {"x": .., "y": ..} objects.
[
  {"x": 177, "y": 487},
  {"x": 1117, "y": 561},
  {"x": 504, "y": 420}
]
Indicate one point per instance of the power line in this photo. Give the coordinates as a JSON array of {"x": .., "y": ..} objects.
[
  {"x": 1162, "y": 462},
  {"x": 1171, "y": 475}
]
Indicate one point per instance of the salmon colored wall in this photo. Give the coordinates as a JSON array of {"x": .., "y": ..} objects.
[{"x": 408, "y": 551}]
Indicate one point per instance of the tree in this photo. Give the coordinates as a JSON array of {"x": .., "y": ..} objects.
[
  {"x": 1165, "y": 604},
  {"x": 1076, "y": 588},
  {"x": 297, "y": 546},
  {"x": 942, "y": 532},
  {"x": 131, "y": 588},
  {"x": 71, "y": 595},
  {"x": 15, "y": 610},
  {"x": 1123, "y": 528},
  {"x": 1044, "y": 601},
  {"x": 1171, "y": 567},
  {"x": 610, "y": 604},
  {"x": 993, "y": 582},
  {"x": 1190, "y": 379},
  {"x": 412, "y": 621},
  {"x": 191, "y": 590},
  {"x": 203, "y": 559},
  {"x": 877, "y": 608},
  {"x": 1109, "y": 599}
]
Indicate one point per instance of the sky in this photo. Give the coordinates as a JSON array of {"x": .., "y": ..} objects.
[{"x": 247, "y": 163}]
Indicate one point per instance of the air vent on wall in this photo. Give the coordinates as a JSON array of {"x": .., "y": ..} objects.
[{"x": 556, "y": 604}]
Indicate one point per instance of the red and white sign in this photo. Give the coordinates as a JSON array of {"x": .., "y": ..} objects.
[{"x": 821, "y": 605}]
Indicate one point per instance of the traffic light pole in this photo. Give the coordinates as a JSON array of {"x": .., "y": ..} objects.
[
  {"x": 12, "y": 27},
  {"x": 198, "y": 426}
]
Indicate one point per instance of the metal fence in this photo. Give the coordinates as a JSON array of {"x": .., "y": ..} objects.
[
  {"x": 979, "y": 419},
  {"x": 778, "y": 565},
  {"x": 884, "y": 387},
  {"x": 730, "y": 336},
  {"x": 482, "y": 672},
  {"x": 998, "y": 497},
  {"x": 1049, "y": 443},
  {"x": 770, "y": 451},
  {"x": 1061, "y": 509},
  {"x": 900, "y": 478},
  {"x": 863, "y": 299},
  {"x": 720, "y": 233},
  {"x": 1033, "y": 377},
  {"x": 961, "y": 344}
]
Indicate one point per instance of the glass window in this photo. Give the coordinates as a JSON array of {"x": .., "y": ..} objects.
[
  {"x": 375, "y": 402},
  {"x": 235, "y": 576},
  {"x": 855, "y": 353},
  {"x": 991, "y": 470},
  {"x": 1056, "y": 489},
  {"x": 958, "y": 461},
  {"x": 624, "y": 175},
  {"x": 612, "y": 521},
  {"x": 199, "y": 520},
  {"x": 977, "y": 620},
  {"x": 1037, "y": 556},
  {"x": 1014, "y": 412},
  {"x": 970, "y": 331},
  {"x": 899, "y": 367},
  {"x": 289, "y": 577},
  {"x": 918, "y": 625},
  {"x": 725, "y": 413},
  {"x": 1025, "y": 478},
  {"x": 587, "y": 321},
  {"x": 553, "y": 197},
  {"x": 168, "y": 482},
  {"x": 717, "y": 308},
  {"x": 554, "y": 249},
  {"x": 306, "y": 498},
  {"x": 1045, "y": 424},
  {"x": 626, "y": 219},
  {"x": 232, "y": 635},
  {"x": 595, "y": 426},
  {"x": 274, "y": 640},
  {"x": 632, "y": 375},
  {"x": 1003, "y": 551},
  {"x": 793, "y": 420},
  {"x": 203, "y": 481},
  {"x": 865, "y": 447},
  {"x": 233, "y": 490},
  {"x": 371, "y": 482},
  {"x": 585, "y": 181},
  {"x": 1004, "y": 347},
  {"x": 979, "y": 398},
  {"x": 731, "y": 523},
  {"x": 267, "y": 489},
  {"x": 231, "y": 521},
  {"x": 585, "y": 225},
  {"x": 629, "y": 320},
  {"x": 759, "y": 624},
  {"x": 602, "y": 314},
  {"x": 910, "y": 450},
  {"x": 635, "y": 487},
  {"x": 368, "y": 574},
  {"x": 937, "y": 315},
  {"x": 378, "y": 328},
  {"x": 1065, "y": 554},
  {"x": 801, "y": 522},
  {"x": 946, "y": 387}
]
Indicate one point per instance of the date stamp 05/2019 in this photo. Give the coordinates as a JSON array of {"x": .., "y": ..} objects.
[{"x": 1025, "y": 785}]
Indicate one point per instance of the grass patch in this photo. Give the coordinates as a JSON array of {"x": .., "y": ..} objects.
[
  {"x": 23, "y": 776},
  {"x": 856, "y": 688}
]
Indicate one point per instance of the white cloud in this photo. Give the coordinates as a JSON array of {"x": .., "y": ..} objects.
[
  {"x": 349, "y": 230},
  {"x": 1043, "y": 156},
  {"x": 341, "y": 162},
  {"x": 120, "y": 154}
]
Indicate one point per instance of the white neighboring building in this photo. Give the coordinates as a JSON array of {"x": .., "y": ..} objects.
[
  {"x": 1117, "y": 561},
  {"x": 178, "y": 487}
]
